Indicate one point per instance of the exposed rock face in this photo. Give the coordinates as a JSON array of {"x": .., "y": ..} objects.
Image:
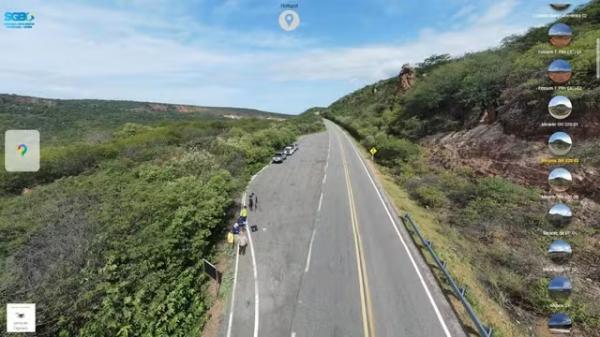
[
  {"x": 406, "y": 78},
  {"x": 17, "y": 99},
  {"x": 524, "y": 110},
  {"x": 488, "y": 116},
  {"x": 489, "y": 151}
]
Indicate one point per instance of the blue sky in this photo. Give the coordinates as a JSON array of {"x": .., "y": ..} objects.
[{"x": 233, "y": 52}]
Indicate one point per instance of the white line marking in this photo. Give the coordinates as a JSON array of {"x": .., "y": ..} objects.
[
  {"x": 256, "y": 298},
  {"x": 257, "y": 174},
  {"x": 314, "y": 232},
  {"x": 312, "y": 239},
  {"x": 235, "y": 274},
  {"x": 320, "y": 202},
  {"x": 255, "y": 272},
  {"x": 230, "y": 323},
  {"x": 328, "y": 147},
  {"x": 412, "y": 260},
  {"x": 293, "y": 334}
]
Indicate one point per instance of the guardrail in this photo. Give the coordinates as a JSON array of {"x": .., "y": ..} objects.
[{"x": 484, "y": 331}]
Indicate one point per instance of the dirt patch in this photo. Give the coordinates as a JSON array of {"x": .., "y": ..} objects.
[
  {"x": 560, "y": 77},
  {"x": 560, "y": 41}
]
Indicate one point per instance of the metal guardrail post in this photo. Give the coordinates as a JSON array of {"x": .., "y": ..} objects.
[{"x": 483, "y": 330}]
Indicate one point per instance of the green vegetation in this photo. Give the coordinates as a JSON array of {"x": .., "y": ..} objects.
[
  {"x": 93, "y": 121},
  {"x": 108, "y": 237},
  {"x": 488, "y": 228},
  {"x": 452, "y": 94}
]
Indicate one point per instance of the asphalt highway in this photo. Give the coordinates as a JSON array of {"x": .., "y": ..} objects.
[{"x": 330, "y": 257}]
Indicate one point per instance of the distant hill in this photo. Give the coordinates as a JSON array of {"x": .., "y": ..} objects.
[{"x": 71, "y": 119}]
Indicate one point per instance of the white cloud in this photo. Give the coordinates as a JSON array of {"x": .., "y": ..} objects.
[
  {"x": 464, "y": 12},
  {"x": 370, "y": 63},
  {"x": 497, "y": 12},
  {"x": 97, "y": 52}
]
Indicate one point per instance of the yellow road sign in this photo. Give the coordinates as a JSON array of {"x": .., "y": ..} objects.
[{"x": 373, "y": 151}]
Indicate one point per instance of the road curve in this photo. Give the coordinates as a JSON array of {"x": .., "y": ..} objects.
[{"x": 331, "y": 257}]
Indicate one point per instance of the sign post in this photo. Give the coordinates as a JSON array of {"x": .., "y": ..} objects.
[
  {"x": 213, "y": 272},
  {"x": 373, "y": 150}
]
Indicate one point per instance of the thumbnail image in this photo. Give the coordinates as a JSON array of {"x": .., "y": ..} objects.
[
  {"x": 560, "y": 143},
  {"x": 560, "y": 251},
  {"x": 560, "y": 323},
  {"x": 560, "y": 71},
  {"x": 560, "y": 289},
  {"x": 560, "y": 179},
  {"x": 560, "y": 215},
  {"x": 560, "y": 35},
  {"x": 560, "y": 107},
  {"x": 560, "y": 6}
]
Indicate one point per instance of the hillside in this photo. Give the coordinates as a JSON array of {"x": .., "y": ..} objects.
[
  {"x": 108, "y": 237},
  {"x": 466, "y": 138},
  {"x": 59, "y": 118}
]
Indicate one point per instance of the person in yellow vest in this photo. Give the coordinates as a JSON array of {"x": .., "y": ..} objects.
[
  {"x": 231, "y": 238},
  {"x": 244, "y": 213}
]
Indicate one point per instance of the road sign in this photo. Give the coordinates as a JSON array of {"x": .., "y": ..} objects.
[
  {"x": 373, "y": 150},
  {"x": 212, "y": 271}
]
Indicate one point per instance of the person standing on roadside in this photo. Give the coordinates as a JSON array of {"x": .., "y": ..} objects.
[
  {"x": 243, "y": 243},
  {"x": 244, "y": 213},
  {"x": 251, "y": 201},
  {"x": 231, "y": 238}
]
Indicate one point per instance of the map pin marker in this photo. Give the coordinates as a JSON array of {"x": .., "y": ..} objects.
[{"x": 289, "y": 19}]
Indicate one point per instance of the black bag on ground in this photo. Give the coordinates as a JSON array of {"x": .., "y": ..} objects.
[{"x": 254, "y": 228}]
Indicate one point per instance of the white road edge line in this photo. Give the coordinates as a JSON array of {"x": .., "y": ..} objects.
[
  {"x": 255, "y": 271},
  {"x": 257, "y": 174},
  {"x": 230, "y": 323},
  {"x": 256, "y": 297},
  {"x": 412, "y": 260}
]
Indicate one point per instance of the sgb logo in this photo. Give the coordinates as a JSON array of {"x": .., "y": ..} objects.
[
  {"x": 18, "y": 19},
  {"x": 18, "y": 16}
]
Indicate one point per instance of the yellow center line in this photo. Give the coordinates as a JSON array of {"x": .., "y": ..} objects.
[{"x": 363, "y": 280}]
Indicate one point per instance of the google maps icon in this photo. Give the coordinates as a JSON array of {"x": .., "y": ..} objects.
[{"x": 22, "y": 149}]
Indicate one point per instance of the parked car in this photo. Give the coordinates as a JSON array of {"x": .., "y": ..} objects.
[
  {"x": 278, "y": 158},
  {"x": 289, "y": 150}
]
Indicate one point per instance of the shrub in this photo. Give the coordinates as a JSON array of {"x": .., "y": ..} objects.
[
  {"x": 430, "y": 196},
  {"x": 392, "y": 151}
]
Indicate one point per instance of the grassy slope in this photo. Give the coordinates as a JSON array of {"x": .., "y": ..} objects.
[{"x": 455, "y": 250}]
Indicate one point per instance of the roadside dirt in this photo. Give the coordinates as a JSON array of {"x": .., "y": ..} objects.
[{"x": 217, "y": 310}]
